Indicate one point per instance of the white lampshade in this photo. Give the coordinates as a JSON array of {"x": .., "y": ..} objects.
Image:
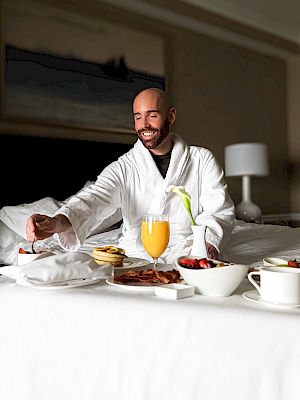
[{"x": 246, "y": 159}]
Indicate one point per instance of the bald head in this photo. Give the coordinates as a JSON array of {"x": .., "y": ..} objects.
[{"x": 156, "y": 95}]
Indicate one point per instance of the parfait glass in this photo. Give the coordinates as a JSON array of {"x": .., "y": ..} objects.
[{"x": 155, "y": 234}]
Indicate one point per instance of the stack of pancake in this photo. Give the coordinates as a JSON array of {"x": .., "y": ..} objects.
[{"x": 109, "y": 255}]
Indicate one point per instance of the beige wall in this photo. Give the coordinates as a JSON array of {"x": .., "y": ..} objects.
[
  {"x": 225, "y": 94},
  {"x": 293, "y": 83}
]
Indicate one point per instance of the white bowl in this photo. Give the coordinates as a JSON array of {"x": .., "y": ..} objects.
[
  {"x": 28, "y": 258},
  {"x": 217, "y": 281}
]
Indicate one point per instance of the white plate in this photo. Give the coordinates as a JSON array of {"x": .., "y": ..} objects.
[
  {"x": 64, "y": 285},
  {"x": 132, "y": 262},
  {"x": 253, "y": 295},
  {"x": 136, "y": 287}
]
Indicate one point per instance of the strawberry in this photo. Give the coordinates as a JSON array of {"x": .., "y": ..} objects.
[
  {"x": 204, "y": 263},
  {"x": 22, "y": 251},
  {"x": 293, "y": 263},
  {"x": 188, "y": 263}
]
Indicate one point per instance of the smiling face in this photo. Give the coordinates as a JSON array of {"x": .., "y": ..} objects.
[{"x": 152, "y": 119}]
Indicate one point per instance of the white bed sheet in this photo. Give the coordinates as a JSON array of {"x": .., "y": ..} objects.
[
  {"x": 248, "y": 244},
  {"x": 13, "y": 223},
  {"x": 98, "y": 342}
]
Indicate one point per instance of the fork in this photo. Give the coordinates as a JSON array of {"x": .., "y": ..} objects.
[{"x": 32, "y": 248}]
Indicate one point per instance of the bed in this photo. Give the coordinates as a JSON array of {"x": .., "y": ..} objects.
[
  {"x": 51, "y": 169},
  {"x": 100, "y": 342},
  {"x": 248, "y": 244}
]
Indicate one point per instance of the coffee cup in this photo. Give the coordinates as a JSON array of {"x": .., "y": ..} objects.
[{"x": 279, "y": 285}]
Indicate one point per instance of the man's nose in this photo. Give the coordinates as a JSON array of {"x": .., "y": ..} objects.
[{"x": 146, "y": 122}]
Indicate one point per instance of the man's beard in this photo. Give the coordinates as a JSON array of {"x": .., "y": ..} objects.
[{"x": 158, "y": 137}]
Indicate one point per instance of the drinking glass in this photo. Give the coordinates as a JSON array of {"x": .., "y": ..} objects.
[{"x": 155, "y": 235}]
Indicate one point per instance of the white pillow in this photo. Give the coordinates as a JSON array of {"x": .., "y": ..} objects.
[
  {"x": 15, "y": 217},
  {"x": 9, "y": 244}
]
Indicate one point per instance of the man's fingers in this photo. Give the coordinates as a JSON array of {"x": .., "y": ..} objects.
[
  {"x": 30, "y": 236},
  {"x": 30, "y": 229},
  {"x": 212, "y": 252},
  {"x": 30, "y": 224}
]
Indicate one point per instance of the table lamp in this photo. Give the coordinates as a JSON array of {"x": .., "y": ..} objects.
[{"x": 246, "y": 160}]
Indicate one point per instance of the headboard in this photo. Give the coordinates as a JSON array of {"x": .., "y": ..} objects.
[{"x": 37, "y": 167}]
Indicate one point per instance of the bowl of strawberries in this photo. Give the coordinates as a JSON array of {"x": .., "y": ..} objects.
[
  {"x": 26, "y": 256},
  {"x": 211, "y": 277}
]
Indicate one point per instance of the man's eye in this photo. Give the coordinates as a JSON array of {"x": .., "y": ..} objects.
[
  {"x": 153, "y": 115},
  {"x": 137, "y": 117}
]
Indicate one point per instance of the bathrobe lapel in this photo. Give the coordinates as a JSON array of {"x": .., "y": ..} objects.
[{"x": 157, "y": 184}]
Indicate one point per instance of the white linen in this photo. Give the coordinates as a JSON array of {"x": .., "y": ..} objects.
[
  {"x": 15, "y": 217},
  {"x": 250, "y": 243},
  {"x": 134, "y": 184},
  {"x": 13, "y": 227},
  {"x": 97, "y": 342},
  {"x": 57, "y": 269},
  {"x": 9, "y": 244}
]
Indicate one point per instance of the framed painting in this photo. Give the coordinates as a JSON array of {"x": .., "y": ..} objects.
[{"x": 70, "y": 69}]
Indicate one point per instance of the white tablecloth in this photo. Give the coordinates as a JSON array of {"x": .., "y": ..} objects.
[{"x": 100, "y": 342}]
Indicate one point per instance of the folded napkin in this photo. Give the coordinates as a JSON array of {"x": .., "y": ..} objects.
[{"x": 58, "y": 269}]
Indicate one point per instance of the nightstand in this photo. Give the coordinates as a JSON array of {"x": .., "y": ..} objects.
[{"x": 292, "y": 220}]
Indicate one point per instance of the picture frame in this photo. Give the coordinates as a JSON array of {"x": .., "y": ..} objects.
[{"x": 68, "y": 74}]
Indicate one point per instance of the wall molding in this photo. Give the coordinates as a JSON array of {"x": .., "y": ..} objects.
[
  {"x": 195, "y": 19},
  {"x": 247, "y": 17}
]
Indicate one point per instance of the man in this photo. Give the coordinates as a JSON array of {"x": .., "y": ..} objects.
[{"x": 137, "y": 182}]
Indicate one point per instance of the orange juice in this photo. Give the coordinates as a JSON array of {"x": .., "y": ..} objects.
[{"x": 155, "y": 237}]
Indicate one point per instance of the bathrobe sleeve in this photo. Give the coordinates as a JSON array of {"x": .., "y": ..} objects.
[
  {"x": 92, "y": 205},
  {"x": 216, "y": 206}
]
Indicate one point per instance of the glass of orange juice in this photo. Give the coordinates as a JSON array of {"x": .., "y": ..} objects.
[{"x": 155, "y": 234}]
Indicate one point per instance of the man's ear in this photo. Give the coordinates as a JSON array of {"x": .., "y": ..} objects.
[{"x": 172, "y": 115}]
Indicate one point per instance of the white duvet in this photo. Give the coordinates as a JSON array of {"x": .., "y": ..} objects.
[{"x": 248, "y": 244}]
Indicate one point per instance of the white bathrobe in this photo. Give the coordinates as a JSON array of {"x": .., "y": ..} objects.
[{"x": 134, "y": 184}]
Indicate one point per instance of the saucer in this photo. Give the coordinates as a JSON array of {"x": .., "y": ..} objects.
[
  {"x": 275, "y": 262},
  {"x": 254, "y": 296}
]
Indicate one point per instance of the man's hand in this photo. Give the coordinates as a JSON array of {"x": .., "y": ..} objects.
[
  {"x": 212, "y": 252},
  {"x": 41, "y": 227}
]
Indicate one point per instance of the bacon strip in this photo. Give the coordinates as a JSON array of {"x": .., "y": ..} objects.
[{"x": 149, "y": 276}]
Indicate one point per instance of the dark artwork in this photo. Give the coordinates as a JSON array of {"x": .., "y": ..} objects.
[{"x": 64, "y": 90}]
